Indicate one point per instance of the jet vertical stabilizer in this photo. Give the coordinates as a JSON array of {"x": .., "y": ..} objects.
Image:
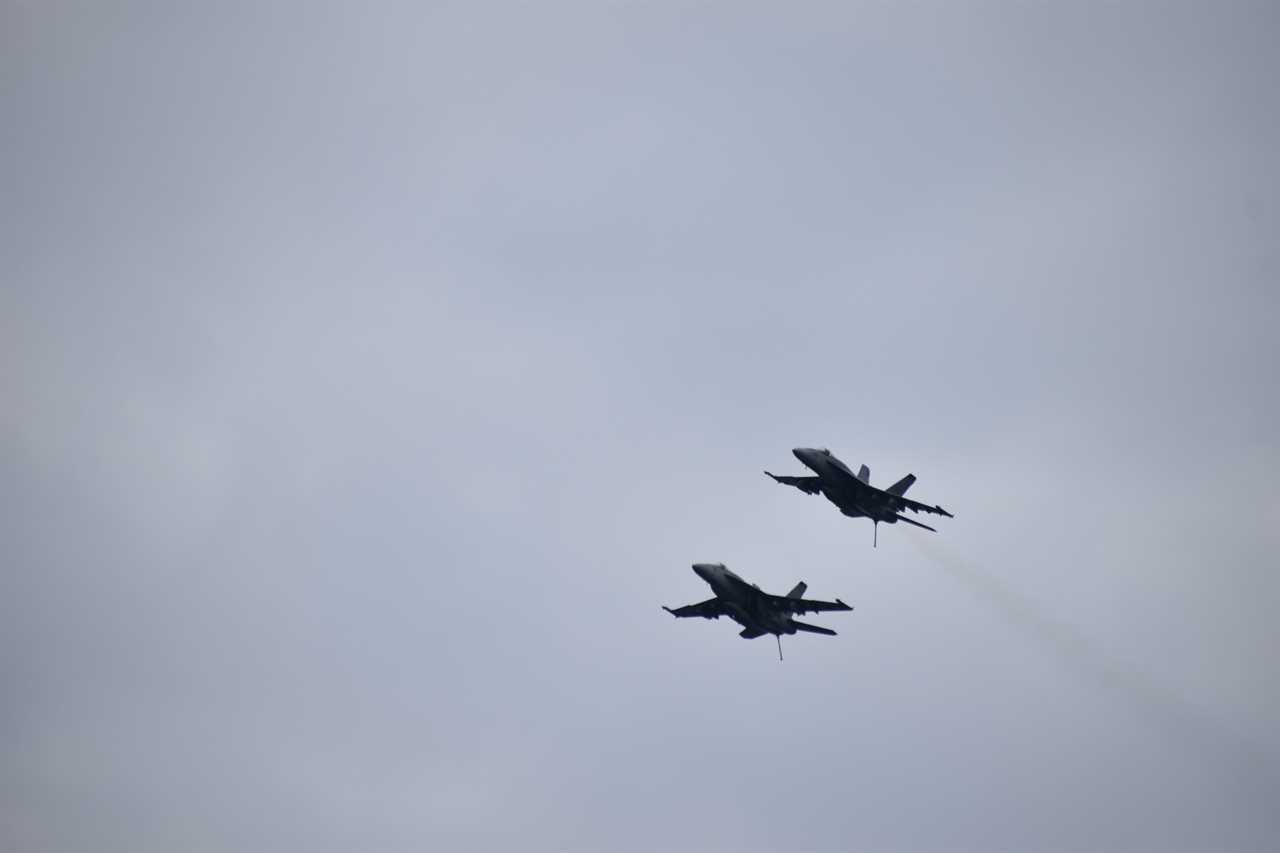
[{"x": 900, "y": 488}]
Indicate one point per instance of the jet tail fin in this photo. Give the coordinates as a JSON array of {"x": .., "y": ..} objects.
[
  {"x": 812, "y": 629},
  {"x": 900, "y": 488},
  {"x": 864, "y": 474},
  {"x": 797, "y": 591}
]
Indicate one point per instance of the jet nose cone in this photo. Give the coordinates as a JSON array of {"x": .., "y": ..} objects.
[
  {"x": 705, "y": 570},
  {"x": 802, "y": 453}
]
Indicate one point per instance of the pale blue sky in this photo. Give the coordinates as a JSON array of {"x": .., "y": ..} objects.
[{"x": 371, "y": 376}]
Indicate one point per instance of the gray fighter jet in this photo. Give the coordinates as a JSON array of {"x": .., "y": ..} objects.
[
  {"x": 854, "y": 495},
  {"x": 758, "y": 612}
]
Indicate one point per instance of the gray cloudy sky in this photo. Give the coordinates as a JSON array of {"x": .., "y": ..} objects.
[{"x": 369, "y": 378}]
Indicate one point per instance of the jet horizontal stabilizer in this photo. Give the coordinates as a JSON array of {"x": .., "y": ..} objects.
[
  {"x": 913, "y": 521},
  {"x": 812, "y": 629}
]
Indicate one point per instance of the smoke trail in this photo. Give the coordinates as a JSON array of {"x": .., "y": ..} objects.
[{"x": 1158, "y": 705}]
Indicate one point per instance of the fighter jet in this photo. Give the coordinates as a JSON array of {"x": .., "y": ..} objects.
[
  {"x": 854, "y": 495},
  {"x": 758, "y": 612}
]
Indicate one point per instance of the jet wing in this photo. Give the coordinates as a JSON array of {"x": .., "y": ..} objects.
[
  {"x": 916, "y": 506},
  {"x": 809, "y": 485},
  {"x": 801, "y": 606},
  {"x": 712, "y": 608}
]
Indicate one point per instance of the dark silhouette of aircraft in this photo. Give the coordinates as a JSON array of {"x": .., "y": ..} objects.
[
  {"x": 854, "y": 495},
  {"x": 758, "y": 612}
]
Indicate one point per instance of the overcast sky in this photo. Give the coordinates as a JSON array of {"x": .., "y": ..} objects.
[{"x": 369, "y": 378}]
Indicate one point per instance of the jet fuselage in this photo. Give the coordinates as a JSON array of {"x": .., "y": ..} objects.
[
  {"x": 837, "y": 483},
  {"x": 742, "y": 600}
]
